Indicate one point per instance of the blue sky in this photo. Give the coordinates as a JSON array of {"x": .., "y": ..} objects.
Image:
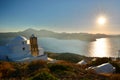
[{"x": 59, "y": 15}]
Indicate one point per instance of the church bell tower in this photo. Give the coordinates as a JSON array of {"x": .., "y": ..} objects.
[{"x": 34, "y": 45}]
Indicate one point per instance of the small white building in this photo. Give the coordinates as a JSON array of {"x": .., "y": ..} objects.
[
  {"x": 22, "y": 49},
  {"x": 82, "y": 62},
  {"x": 104, "y": 68}
]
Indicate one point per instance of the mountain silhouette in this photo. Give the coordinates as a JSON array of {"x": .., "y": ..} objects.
[{"x": 46, "y": 33}]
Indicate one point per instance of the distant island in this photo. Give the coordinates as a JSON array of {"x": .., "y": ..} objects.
[{"x": 51, "y": 34}]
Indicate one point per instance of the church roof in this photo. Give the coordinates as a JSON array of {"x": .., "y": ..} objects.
[
  {"x": 19, "y": 38},
  {"x": 16, "y": 40}
]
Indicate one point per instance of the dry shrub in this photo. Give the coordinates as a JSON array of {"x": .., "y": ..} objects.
[
  {"x": 43, "y": 76},
  {"x": 99, "y": 61},
  {"x": 115, "y": 77},
  {"x": 116, "y": 65},
  {"x": 35, "y": 65},
  {"x": 6, "y": 69}
]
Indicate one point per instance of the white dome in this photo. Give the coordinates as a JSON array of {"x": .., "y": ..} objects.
[{"x": 19, "y": 38}]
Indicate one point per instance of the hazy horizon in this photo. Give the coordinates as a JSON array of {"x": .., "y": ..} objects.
[
  {"x": 56, "y": 31},
  {"x": 71, "y": 16}
]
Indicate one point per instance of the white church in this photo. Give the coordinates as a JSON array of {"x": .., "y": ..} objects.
[{"x": 21, "y": 49}]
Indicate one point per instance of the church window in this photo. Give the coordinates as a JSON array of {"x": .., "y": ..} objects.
[
  {"x": 23, "y": 43},
  {"x": 23, "y": 48}
]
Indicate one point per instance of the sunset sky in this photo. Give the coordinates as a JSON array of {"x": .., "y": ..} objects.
[{"x": 60, "y": 15}]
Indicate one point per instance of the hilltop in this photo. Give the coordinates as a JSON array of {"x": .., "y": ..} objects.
[{"x": 70, "y": 57}]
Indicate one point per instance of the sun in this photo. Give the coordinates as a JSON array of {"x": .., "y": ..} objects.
[{"x": 101, "y": 20}]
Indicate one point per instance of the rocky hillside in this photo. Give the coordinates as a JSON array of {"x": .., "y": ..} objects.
[{"x": 42, "y": 70}]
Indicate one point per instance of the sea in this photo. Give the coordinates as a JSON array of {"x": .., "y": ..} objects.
[{"x": 103, "y": 47}]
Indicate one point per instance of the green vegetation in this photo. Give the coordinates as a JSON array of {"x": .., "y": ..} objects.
[
  {"x": 74, "y": 58},
  {"x": 43, "y": 76},
  {"x": 41, "y": 70},
  {"x": 99, "y": 61},
  {"x": 64, "y": 69},
  {"x": 116, "y": 64},
  {"x": 66, "y": 56}
]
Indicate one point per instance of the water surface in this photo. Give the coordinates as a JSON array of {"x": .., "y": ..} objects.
[{"x": 104, "y": 47}]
